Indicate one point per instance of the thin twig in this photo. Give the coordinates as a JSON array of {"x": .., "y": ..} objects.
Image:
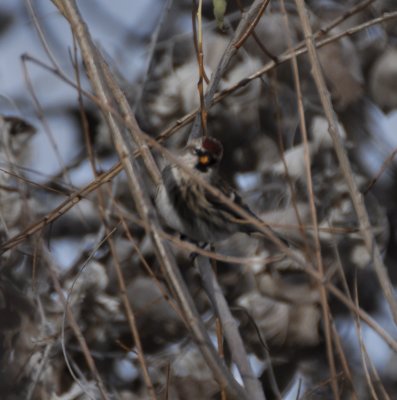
[
  {"x": 200, "y": 59},
  {"x": 39, "y": 371},
  {"x": 363, "y": 350},
  {"x": 349, "y": 13},
  {"x": 152, "y": 47},
  {"x": 41, "y": 116},
  {"x": 252, "y": 24},
  {"x": 41, "y": 34},
  {"x": 383, "y": 168}
]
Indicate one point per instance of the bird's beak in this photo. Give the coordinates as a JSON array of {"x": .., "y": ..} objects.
[{"x": 204, "y": 160}]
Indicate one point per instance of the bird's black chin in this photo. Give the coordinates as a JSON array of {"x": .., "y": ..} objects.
[{"x": 202, "y": 168}]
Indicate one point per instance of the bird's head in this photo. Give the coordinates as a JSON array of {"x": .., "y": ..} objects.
[
  {"x": 14, "y": 133},
  {"x": 203, "y": 154}
]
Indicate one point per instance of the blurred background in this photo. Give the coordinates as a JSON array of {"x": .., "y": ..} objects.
[{"x": 150, "y": 49}]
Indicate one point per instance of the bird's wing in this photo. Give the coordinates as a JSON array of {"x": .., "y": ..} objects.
[
  {"x": 228, "y": 191},
  {"x": 234, "y": 216}
]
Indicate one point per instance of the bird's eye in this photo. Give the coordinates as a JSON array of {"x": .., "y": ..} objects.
[{"x": 195, "y": 151}]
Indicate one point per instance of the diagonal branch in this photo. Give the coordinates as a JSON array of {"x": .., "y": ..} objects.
[{"x": 230, "y": 328}]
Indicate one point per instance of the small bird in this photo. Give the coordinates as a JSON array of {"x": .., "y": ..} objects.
[{"x": 192, "y": 210}]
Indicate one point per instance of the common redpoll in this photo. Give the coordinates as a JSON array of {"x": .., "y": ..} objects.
[{"x": 189, "y": 208}]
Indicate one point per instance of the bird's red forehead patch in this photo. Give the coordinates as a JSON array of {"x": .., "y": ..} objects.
[{"x": 213, "y": 146}]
